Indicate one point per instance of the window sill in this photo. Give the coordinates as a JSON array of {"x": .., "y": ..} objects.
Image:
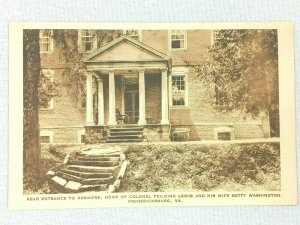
[
  {"x": 46, "y": 53},
  {"x": 46, "y": 110},
  {"x": 179, "y": 107},
  {"x": 178, "y": 49}
]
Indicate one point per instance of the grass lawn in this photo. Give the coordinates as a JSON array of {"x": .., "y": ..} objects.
[
  {"x": 198, "y": 167},
  {"x": 182, "y": 167}
]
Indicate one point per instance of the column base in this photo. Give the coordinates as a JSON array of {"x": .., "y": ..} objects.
[
  {"x": 112, "y": 123},
  {"x": 142, "y": 122},
  {"x": 167, "y": 122},
  {"x": 89, "y": 124}
]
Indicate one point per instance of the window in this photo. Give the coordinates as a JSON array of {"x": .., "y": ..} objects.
[
  {"x": 223, "y": 133},
  {"x": 46, "y": 136},
  {"x": 224, "y": 136},
  {"x": 46, "y": 41},
  {"x": 178, "y": 39},
  {"x": 135, "y": 34},
  {"x": 47, "y": 74},
  {"x": 87, "y": 40},
  {"x": 81, "y": 136},
  {"x": 179, "y": 87}
]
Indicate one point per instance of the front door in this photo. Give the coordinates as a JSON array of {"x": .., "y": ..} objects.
[{"x": 132, "y": 102}]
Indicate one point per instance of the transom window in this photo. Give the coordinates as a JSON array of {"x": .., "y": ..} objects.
[
  {"x": 81, "y": 136},
  {"x": 136, "y": 34},
  {"x": 46, "y": 136},
  {"x": 87, "y": 40},
  {"x": 178, "y": 39},
  {"x": 45, "y": 139},
  {"x": 179, "y": 87},
  {"x": 46, "y": 41},
  {"x": 224, "y": 135}
]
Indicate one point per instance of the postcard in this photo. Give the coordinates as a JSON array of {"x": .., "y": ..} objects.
[{"x": 143, "y": 114}]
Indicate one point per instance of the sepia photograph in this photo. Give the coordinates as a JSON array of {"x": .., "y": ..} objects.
[{"x": 140, "y": 110}]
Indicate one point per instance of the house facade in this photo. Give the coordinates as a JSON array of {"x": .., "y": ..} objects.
[{"x": 141, "y": 79}]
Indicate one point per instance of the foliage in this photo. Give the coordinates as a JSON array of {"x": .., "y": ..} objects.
[
  {"x": 51, "y": 155},
  {"x": 241, "y": 69},
  {"x": 194, "y": 167},
  {"x": 38, "y": 89},
  {"x": 72, "y": 54},
  {"x": 47, "y": 90}
]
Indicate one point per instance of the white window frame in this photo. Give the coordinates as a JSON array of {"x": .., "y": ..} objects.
[
  {"x": 50, "y": 74},
  {"x": 184, "y": 41},
  {"x": 47, "y": 133},
  {"x": 94, "y": 41},
  {"x": 139, "y": 31},
  {"x": 79, "y": 134},
  {"x": 179, "y": 71},
  {"x": 50, "y": 42},
  {"x": 223, "y": 130}
]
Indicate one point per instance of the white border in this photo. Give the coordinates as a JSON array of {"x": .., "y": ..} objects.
[{"x": 287, "y": 120}]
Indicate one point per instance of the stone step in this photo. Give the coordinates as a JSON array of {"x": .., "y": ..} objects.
[
  {"x": 59, "y": 181},
  {"x": 85, "y": 174},
  {"x": 73, "y": 186},
  {"x": 117, "y": 133},
  {"x": 123, "y": 140},
  {"x": 100, "y": 155},
  {"x": 117, "y": 129},
  {"x": 93, "y": 163},
  {"x": 92, "y": 169},
  {"x": 99, "y": 158},
  {"x": 90, "y": 181},
  {"x": 93, "y": 187},
  {"x": 68, "y": 176},
  {"x": 125, "y": 137}
]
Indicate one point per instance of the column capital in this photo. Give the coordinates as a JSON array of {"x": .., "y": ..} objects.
[
  {"x": 164, "y": 70},
  {"x": 99, "y": 79},
  {"x": 141, "y": 70},
  {"x": 111, "y": 70},
  {"x": 90, "y": 73}
]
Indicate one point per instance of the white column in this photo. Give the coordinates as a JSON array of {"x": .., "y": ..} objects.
[
  {"x": 142, "y": 108},
  {"x": 89, "y": 99},
  {"x": 100, "y": 102},
  {"x": 112, "y": 99},
  {"x": 164, "y": 97}
]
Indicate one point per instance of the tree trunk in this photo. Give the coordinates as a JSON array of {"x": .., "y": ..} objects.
[{"x": 31, "y": 74}]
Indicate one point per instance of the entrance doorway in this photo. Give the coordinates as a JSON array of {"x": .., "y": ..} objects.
[{"x": 132, "y": 102}]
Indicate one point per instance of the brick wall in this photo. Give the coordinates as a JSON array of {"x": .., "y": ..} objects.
[
  {"x": 66, "y": 119},
  {"x": 153, "y": 97},
  {"x": 197, "y": 43},
  {"x": 202, "y": 116}
]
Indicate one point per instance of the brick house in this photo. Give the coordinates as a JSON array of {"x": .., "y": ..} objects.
[{"x": 143, "y": 80}]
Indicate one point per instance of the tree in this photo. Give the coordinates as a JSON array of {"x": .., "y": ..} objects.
[
  {"x": 31, "y": 74},
  {"x": 38, "y": 89},
  {"x": 242, "y": 70}
]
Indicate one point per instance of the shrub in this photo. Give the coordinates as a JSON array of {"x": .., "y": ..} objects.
[{"x": 201, "y": 167}]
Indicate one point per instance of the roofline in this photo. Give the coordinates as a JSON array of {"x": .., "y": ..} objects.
[{"x": 126, "y": 38}]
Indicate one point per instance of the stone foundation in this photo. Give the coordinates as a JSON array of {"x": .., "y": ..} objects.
[
  {"x": 157, "y": 132},
  {"x": 95, "y": 134}
]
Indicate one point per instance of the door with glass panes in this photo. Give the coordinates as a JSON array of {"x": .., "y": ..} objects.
[{"x": 132, "y": 102}]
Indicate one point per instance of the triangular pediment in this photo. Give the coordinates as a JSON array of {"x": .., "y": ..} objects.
[{"x": 126, "y": 49}]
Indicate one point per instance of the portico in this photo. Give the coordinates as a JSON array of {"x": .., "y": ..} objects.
[{"x": 130, "y": 78}]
